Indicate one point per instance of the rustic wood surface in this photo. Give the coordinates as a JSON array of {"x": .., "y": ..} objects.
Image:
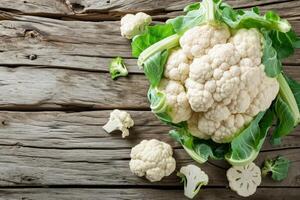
[{"x": 56, "y": 94}]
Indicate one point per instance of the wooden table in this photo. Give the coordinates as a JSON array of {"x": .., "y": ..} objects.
[{"x": 56, "y": 93}]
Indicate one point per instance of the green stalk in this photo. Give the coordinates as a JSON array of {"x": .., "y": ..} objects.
[
  {"x": 167, "y": 43},
  {"x": 288, "y": 96},
  {"x": 210, "y": 10}
]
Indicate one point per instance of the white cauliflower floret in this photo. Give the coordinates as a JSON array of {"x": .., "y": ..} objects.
[
  {"x": 228, "y": 87},
  {"x": 244, "y": 179},
  {"x": 152, "y": 159},
  {"x": 132, "y": 25},
  {"x": 204, "y": 86},
  {"x": 119, "y": 120},
  {"x": 177, "y": 66},
  {"x": 248, "y": 43},
  {"x": 199, "y": 99},
  {"x": 176, "y": 99},
  {"x": 193, "y": 178},
  {"x": 193, "y": 127},
  {"x": 198, "y": 40}
]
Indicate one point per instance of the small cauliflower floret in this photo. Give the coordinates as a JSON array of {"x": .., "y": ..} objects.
[
  {"x": 152, "y": 159},
  {"x": 176, "y": 100},
  {"x": 193, "y": 178},
  {"x": 244, "y": 179},
  {"x": 207, "y": 127},
  {"x": 119, "y": 120},
  {"x": 199, "y": 98},
  {"x": 248, "y": 43},
  {"x": 177, "y": 66},
  {"x": 267, "y": 92},
  {"x": 201, "y": 69},
  {"x": 198, "y": 40},
  {"x": 132, "y": 25},
  {"x": 193, "y": 127}
]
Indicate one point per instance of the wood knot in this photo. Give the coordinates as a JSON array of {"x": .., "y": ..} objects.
[
  {"x": 75, "y": 6},
  {"x": 31, "y": 33},
  {"x": 28, "y": 178},
  {"x": 4, "y": 123},
  {"x": 32, "y": 57}
]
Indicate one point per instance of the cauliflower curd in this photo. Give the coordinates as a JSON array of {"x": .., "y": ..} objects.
[
  {"x": 216, "y": 81},
  {"x": 132, "y": 25},
  {"x": 152, "y": 159}
]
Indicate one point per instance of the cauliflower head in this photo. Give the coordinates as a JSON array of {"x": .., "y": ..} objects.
[
  {"x": 152, "y": 159},
  {"x": 216, "y": 81},
  {"x": 132, "y": 25}
]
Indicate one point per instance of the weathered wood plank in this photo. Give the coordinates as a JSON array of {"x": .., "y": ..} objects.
[
  {"x": 24, "y": 166},
  {"x": 84, "y": 130},
  {"x": 51, "y": 88},
  {"x": 37, "y": 88},
  {"x": 43, "y": 88},
  {"x": 69, "y": 44},
  {"x": 125, "y": 194},
  {"x": 38, "y": 7},
  {"x": 114, "y": 9}
]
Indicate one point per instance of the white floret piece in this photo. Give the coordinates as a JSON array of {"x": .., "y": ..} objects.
[
  {"x": 193, "y": 178},
  {"x": 176, "y": 99},
  {"x": 268, "y": 89},
  {"x": 152, "y": 159},
  {"x": 248, "y": 43},
  {"x": 193, "y": 127},
  {"x": 132, "y": 25},
  {"x": 119, "y": 120},
  {"x": 198, "y": 40},
  {"x": 201, "y": 69},
  {"x": 220, "y": 113},
  {"x": 244, "y": 179},
  {"x": 199, "y": 98},
  {"x": 177, "y": 66},
  {"x": 208, "y": 127},
  {"x": 223, "y": 58}
]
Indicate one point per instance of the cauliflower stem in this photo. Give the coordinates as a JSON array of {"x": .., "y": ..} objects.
[
  {"x": 193, "y": 178},
  {"x": 288, "y": 96},
  {"x": 167, "y": 43},
  {"x": 216, "y": 77}
]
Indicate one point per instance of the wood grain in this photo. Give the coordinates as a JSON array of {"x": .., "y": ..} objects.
[
  {"x": 25, "y": 87},
  {"x": 83, "y": 130},
  {"x": 57, "y": 148},
  {"x": 26, "y": 166},
  {"x": 44, "y": 42},
  {"x": 43, "y": 88},
  {"x": 135, "y": 194},
  {"x": 54, "y": 76},
  {"x": 114, "y": 9}
]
